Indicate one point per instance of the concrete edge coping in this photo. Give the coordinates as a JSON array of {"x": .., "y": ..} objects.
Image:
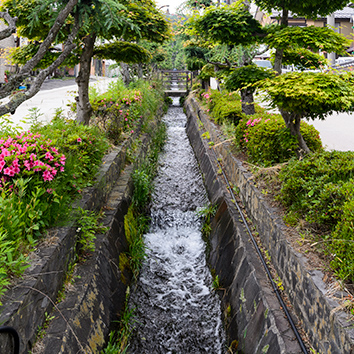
[
  {"x": 243, "y": 179},
  {"x": 26, "y": 302}
]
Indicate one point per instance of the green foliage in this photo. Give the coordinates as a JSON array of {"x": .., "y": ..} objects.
[
  {"x": 142, "y": 189},
  {"x": 11, "y": 263},
  {"x": 87, "y": 228},
  {"x": 123, "y": 52},
  {"x": 194, "y": 64},
  {"x": 342, "y": 239},
  {"x": 223, "y": 107},
  {"x": 227, "y": 109},
  {"x": 135, "y": 225},
  {"x": 208, "y": 212},
  {"x": 311, "y": 37},
  {"x": 245, "y": 76},
  {"x": 311, "y": 95},
  {"x": 207, "y": 72},
  {"x": 303, "y": 58},
  {"x": 119, "y": 341},
  {"x": 195, "y": 56},
  {"x": 309, "y": 9},
  {"x": 192, "y": 50},
  {"x": 35, "y": 17},
  {"x": 26, "y": 209},
  {"x": 120, "y": 110},
  {"x": 21, "y": 55},
  {"x": 267, "y": 141},
  {"x": 320, "y": 189},
  {"x": 315, "y": 186},
  {"x": 231, "y": 25},
  {"x": 197, "y": 4},
  {"x": 152, "y": 24}
]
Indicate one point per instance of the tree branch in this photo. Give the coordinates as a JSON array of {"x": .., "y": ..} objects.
[
  {"x": 21, "y": 97},
  {"x": 16, "y": 80},
  {"x": 8, "y": 31}
]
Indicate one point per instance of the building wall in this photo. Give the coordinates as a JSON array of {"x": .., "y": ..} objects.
[{"x": 5, "y": 44}]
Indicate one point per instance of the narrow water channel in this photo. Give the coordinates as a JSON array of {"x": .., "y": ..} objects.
[{"x": 176, "y": 310}]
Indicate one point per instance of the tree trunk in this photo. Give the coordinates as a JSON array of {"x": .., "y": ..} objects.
[
  {"x": 292, "y": 122},
  {"x": 124, "y": 69},
  {"x": 247, "y": 102},
  {"x": 279, "y": 52},
  {"x": 84, "y": 108},
  {"x": 206, "y": 84},
  {"x": 140, "y": 70}
]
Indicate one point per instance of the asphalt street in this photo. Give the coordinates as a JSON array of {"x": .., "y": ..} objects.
[{"x": 54, "y": 94}]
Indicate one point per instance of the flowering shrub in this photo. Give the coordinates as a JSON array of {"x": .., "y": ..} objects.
[
  {"x": 29, "y": 155},
  {"x": 118, "y": 118},
  {"x": 267, "y": 141},
  {"x": 83, "y": 147},
  {"x": 121, "y": 110}
]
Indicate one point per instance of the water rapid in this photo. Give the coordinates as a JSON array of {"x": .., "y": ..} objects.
[{"x": 176, "y": 310}]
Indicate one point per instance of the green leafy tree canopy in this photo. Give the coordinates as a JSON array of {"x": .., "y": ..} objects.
[
  {"x": 310, "y": 95},
  {"x": 229, "y": 25},
  {"x": 306, "y": 8}
]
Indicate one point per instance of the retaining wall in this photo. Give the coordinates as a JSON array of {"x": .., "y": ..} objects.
[{"x": 328, "y": 329}]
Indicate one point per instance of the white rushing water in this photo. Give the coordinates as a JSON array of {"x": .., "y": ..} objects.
[{"x": 176, "y": 309}]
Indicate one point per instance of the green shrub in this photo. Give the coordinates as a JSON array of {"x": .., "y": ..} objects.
[
  {"x": 267, "y": 141},
  {"x": 227, "y": 110},
  {"x": 120, "y": 110},
  {"x": 207, "y": 72},
  {"x": 316, "y": 186},
  {"x": 342, "y": 245}
]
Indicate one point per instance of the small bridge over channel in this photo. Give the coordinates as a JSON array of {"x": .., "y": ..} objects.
[{"x": 177, "y": 83}]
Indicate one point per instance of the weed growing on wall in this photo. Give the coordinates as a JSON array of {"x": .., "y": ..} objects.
[{"x": 87, "y": 227}]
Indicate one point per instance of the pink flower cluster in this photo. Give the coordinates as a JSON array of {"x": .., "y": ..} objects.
[
  {"x": 27, "y": 154},
  {"x": 137, "y": 97},
  {"x": 253, "y": 122}
]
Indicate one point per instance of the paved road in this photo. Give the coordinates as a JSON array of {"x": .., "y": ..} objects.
[
  {"x": 54, "y": 94},
  {"x": 337, "y": 131}
]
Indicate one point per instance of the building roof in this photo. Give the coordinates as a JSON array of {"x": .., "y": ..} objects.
[{"x": 346, "y": 12}]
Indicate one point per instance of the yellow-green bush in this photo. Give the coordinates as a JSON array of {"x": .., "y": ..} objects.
[{"x": 267, "y": 141}]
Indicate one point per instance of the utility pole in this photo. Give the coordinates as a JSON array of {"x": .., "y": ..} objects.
[{"x": 331, "y": 23}]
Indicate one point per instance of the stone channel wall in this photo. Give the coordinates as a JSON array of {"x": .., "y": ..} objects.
[
  {"x": 328, "y": 329},
  {"x": 82, "y": 321}
]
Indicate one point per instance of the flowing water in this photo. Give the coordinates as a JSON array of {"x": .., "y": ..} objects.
[{"x": 176, "y": 309}]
